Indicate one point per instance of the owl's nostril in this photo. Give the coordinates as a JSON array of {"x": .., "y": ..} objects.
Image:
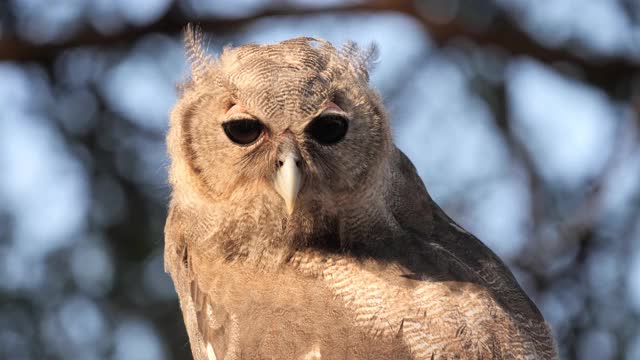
[{"x": 279, "y": 163}]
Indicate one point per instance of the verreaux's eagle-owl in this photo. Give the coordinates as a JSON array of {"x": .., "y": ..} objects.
[{"x": 297, "y": 230}]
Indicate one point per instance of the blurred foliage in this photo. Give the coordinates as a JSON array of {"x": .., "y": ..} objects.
[{"x": 520, "y": 115}]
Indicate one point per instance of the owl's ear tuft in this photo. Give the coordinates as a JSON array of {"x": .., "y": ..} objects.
[
  {"x": 196, "y": 55},
  {"x": 361, "y": 61}
]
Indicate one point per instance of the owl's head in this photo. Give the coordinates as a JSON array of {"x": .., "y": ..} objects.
[{"x": 295, "y": 122}]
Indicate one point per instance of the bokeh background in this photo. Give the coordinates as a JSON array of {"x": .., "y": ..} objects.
[{"x": 522, "y": 117}]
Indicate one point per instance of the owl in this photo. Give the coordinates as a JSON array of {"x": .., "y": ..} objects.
[{"x": 298, "y": 230}]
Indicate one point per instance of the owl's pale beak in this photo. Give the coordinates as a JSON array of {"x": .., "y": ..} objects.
[{"x": 288, "y": 179}]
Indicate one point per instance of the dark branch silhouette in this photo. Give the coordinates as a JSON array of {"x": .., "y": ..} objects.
[{"x": 605, "y": 72}]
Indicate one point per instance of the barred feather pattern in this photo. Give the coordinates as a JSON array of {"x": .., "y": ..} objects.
[
  {"x": 196, "y": 55},
  {"x": 428, "y": 318},
  {"x": 366, "y": 267}
]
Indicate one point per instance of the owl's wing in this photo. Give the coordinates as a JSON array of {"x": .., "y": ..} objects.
[
  {"x": 517, "y": 324},
  {"x": 206, "y": 324},
  {"x": 450, "y": 253},
  {"x": 445, "y": 248}
]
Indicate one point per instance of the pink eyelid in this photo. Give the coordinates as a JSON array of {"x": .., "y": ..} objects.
[
  {"x": 236, "y": 109},
  {"x": 332, "y": 107}
]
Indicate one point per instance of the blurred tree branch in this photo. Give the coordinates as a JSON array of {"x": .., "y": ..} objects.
[{"x": 503, "y": 31}]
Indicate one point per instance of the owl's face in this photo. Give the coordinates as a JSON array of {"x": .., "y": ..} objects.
[{"x": 295, "y": 119}]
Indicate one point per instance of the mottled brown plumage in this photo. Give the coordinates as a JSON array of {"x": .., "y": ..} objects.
[{"x": 359, "y": 263}]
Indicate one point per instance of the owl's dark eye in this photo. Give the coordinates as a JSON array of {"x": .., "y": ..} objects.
[
  {"x": 244, "y": 131},
  {"x": 328, "y": 129}
]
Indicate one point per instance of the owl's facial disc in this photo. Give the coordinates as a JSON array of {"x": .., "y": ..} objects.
[{"x": 288, "y": 179}]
